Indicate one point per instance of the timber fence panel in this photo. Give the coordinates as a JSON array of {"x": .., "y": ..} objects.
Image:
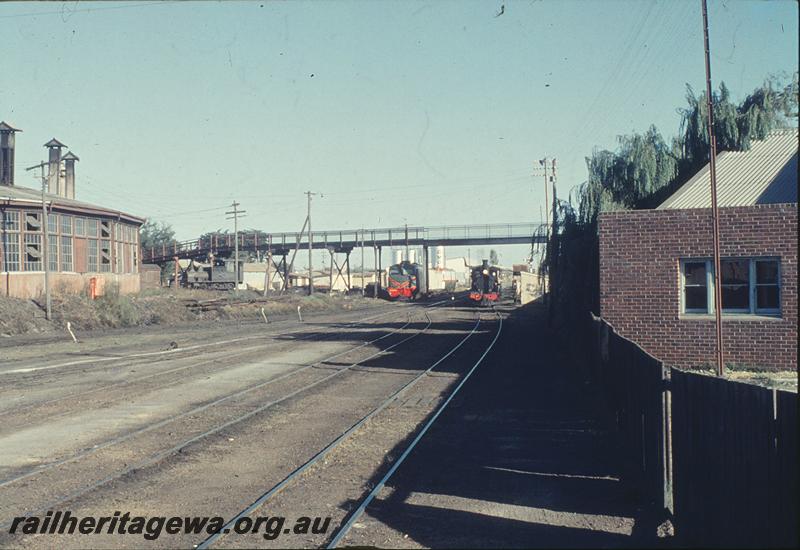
[
  {"x": 730, "y": 477},
  {"x": 722, "y": 454},
  {"x": 784, "y": 500}
]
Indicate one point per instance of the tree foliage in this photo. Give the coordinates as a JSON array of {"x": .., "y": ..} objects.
[
  {"x": 643, "y": 171},
  {"x": 153, "y": 234}
]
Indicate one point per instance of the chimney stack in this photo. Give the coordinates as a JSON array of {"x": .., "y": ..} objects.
[
  {"x": 69, "y": 174},
  {"x": 7, "y": 153},
  {"x": 53, "y": 167}
]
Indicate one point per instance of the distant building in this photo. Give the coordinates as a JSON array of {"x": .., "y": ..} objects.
[
  {"x": 85, "y": 241},
  {"x": 656, "y": 266},
  {"x": 460, "y": 268}
]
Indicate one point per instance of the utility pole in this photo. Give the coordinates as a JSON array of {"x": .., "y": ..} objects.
[
  {"x": 714, "y": 211},
  {"x": 309, "y": 194},
  {"x": 363, "y": 285},
  {"x": 234, "y": 215},
  {"x": 45, "y": 244},
  {"x": 407, "y": 257},
  {"x": 543, "y": 163}
]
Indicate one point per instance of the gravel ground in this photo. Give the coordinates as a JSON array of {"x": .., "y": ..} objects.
[
  {"x": 516, "y": 461},
  {"x": 194, "y": 431},
  {"x": 206, "y": 428}
]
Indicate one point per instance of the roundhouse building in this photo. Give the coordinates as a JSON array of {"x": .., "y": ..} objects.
[{"x": 84, "y": 241}]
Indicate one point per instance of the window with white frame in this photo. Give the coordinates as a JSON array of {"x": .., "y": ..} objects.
[
  {"x": 749, "y": 286},
  {"x": 66, "y": 253},
  {"x": 52, "y": 253},
  {"x": 66, "y": 224},
  {"x": 91, "y": 255},
  {"x": 9, "y": 220},
  {"x": 91, "y": 227},
  {"x": 52, "y": 223},
  {"x": 105, "y": 255},
  {"x": 33, "y": 252},
  {"x": 119, "y": 263},
  {"x": 9, "y": 241},
  {"x": 9, "y": 251}
]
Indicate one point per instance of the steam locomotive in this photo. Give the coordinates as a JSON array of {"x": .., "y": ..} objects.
[
  {"x": 217, "y": 274},
  {"x": 405, "y": 280},
  {"x": 485, "y": 283}
]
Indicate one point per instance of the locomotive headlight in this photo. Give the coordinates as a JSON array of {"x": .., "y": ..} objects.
[{"x": 485, "y": 271}]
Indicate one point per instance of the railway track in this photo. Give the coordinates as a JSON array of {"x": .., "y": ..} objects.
[
  {"x": 193, "y": 411},
  {"x": 192, "y": 364},
  {"x": 176, "y": 351},
  {"x": 342, "y": 531},
  {"x": 321, "y": 455},
  {"x": 219, "y": 426}
]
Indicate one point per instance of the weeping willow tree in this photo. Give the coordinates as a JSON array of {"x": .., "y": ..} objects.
[{"x": 641, "y": 173}]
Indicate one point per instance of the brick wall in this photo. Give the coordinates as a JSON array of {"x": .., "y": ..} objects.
[{"x": 640, "y": 253}]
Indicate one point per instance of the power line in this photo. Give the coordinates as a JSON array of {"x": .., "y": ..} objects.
[{"x": 87, "y": 10}]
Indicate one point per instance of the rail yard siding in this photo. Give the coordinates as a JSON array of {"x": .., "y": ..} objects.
[{"x": 640, "y": 253}]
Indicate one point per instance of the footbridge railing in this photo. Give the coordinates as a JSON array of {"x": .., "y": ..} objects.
[{"x": 222, "y": 244}]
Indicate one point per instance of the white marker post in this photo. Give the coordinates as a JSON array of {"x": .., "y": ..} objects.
[{"x": 69, "y": 329}]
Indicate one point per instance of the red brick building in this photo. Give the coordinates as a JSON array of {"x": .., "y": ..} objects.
[
  {"x": 656, "y": 278},
  {"x": 83, "y": 242}
]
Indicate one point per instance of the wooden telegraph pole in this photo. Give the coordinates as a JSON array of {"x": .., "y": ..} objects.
[
  {"x": 234, "y": 215},
  {"x": 712, "y": 142},
  {"x": 45, "y": 244}
]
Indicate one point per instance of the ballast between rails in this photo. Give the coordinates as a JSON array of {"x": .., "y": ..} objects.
[
  {"x": 175, "y": 351},
  {"x": 334, "y": 444},
  {"x": 342, "y": 532},
  {"x": 153, "y": 459},
  {"x": 237, "y": 353}
]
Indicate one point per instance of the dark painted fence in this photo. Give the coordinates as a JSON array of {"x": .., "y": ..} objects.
[{"x": 720, "y": 455}]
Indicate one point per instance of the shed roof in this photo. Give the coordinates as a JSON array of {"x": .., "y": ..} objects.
[
  {"x": 15, "y": 194},
  {"x": 764, "y": 174}
]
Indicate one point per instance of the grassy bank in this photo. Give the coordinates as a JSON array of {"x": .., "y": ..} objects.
[{"x": 157, "y": 307}]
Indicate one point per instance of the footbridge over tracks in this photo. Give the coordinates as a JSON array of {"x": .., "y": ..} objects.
[
  {"x": 281, "y": 245},
  {"x": 222, "y": 244}
]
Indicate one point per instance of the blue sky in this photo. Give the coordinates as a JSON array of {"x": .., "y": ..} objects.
[{"x": 398, "y": 112}]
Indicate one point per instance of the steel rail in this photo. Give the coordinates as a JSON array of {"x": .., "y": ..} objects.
[
  {"x": 360, "y": 510},
  {"x": 153, "y": 459},
  {"x": 236, "y": 354},
  {"x": 201, "y": 408},
  {"x": 149, "y": 354},
  {"x": 331, "y": 446}
]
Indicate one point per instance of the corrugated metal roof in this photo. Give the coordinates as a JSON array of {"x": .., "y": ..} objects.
[
  {"x": 15, "y": 193},
  {"x": 765, "y": 174}
]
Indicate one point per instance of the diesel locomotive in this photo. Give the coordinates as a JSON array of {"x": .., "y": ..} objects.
[
  {"x": 485, "y": 283},
  {"x": 405, "y": 280}
]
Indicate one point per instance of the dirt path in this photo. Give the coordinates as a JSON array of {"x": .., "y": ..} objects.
[{"x": 517, "y": 460}]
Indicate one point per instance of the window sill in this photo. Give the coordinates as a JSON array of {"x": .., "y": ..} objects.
[{"x": 731, "y": 317}]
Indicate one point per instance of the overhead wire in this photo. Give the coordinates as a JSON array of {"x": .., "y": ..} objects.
[{"x": 65, "y": 11}]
